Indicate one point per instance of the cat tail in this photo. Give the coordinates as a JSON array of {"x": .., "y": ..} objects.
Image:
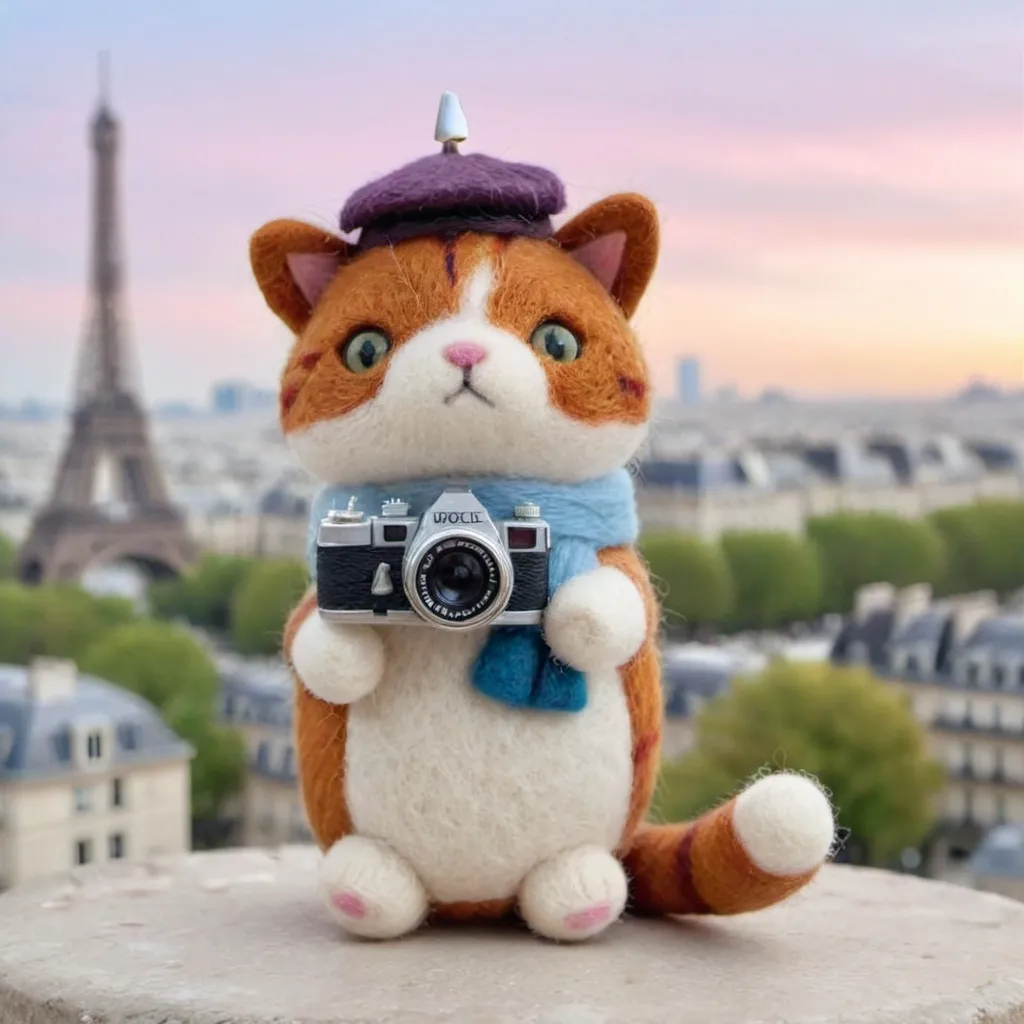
[{"x": 753, "y": 851}]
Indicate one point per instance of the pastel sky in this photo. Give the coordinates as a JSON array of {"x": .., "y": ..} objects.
[{"x": 841, "y": 183}]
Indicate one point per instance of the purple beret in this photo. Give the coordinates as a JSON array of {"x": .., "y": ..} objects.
[{"x": 450, "y": 192}]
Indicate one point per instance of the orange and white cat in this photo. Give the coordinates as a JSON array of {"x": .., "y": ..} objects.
[{"x": 429, "y": 798}]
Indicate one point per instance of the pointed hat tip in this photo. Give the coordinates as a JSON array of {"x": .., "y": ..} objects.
[{"x": 451, "y": 121}]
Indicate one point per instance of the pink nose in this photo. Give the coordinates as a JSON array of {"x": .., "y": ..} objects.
[{"x": 465, "y": 354}]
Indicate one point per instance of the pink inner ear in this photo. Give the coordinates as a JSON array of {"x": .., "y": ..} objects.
[
  {"x": 312, "y": 272},
  {"x": 603, "y": 257}
]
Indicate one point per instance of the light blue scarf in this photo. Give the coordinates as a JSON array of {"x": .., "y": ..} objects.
[{"x": 515, "y": 665}]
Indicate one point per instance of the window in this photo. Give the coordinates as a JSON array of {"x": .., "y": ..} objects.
[
  {"x": 998, "y": 675},
  {"x": 115, "y": 846},
  {"x": 94, "y": 746},
  {"x": 83, "y": 852},
  {"x": 972, "y": 673},
  {"x": 911, "y": 665},
  {"x": 83, "y": 799},
  {"x": 1020, "y": 676},
  {"x": 1001, "y": 809},
  {"x": 129, "y": 736},
  {"x": 62, "y": 746},
  {"x": 117, "y": 793}
]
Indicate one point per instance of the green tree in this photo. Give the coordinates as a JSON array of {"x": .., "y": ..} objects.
[
  {"x": 167, "y": 667},
  {"x": 692, "y": 578},
  {"x": 985, "y": 542},
  {"x": 857, "y": 548},
  {"x": 856, "y": 734},
  {"x": 202, "y": 596},
  {"x": 776, "y": 578},
  {"x": 8, "y": 556},
  {"x": 55, "y": 620},
  {"x": 262, "y": 603}
]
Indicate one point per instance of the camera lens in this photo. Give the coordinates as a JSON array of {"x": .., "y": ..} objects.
[{"x": 457, "y": 579}]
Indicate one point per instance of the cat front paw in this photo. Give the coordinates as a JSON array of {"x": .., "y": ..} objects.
[
  {"x": 338, "y": 664},
  {"x": 596, "y": 621}
]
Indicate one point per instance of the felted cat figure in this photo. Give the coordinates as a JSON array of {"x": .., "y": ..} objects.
[{"x": 462, "y": 337}]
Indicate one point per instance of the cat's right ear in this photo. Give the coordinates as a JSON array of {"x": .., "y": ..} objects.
[{"x": 293, "y": 264}]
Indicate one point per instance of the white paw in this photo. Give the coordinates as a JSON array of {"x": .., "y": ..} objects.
[
  {"x": 596, "y": 621},
  {"x": 785, "y": 824},
  {"x": 338, "y": 664},
  {"x": 574, "y": 895},
  {"x": 370, "y": 890}
]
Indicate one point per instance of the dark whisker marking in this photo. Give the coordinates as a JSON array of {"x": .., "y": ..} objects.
[
  {"x": 288, "y": 396},
  {"x": 632, "y": 386},
  {"x": 308, "y": 361},
  {"x": 449, "y": 259}
]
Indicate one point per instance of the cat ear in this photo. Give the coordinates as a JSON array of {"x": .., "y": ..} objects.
[
  {"x": 293, "y": 264},
  {"x": 616, "y": 239}
]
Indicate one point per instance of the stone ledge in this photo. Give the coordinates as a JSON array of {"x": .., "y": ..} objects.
[{"x": 240, "y": 937}]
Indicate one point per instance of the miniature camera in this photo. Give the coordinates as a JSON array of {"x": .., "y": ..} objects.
[{"x": 453, "y": 566}]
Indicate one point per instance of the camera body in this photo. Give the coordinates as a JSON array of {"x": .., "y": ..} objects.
[{"x": 452, "y": 567}]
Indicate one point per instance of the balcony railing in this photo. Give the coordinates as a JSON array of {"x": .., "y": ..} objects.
[
  {"x": 985, "y": 777},
  {"x": 950, "y": 723}
]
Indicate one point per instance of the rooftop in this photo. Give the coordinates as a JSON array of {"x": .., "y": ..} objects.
[{"x": 39, "y": 717}]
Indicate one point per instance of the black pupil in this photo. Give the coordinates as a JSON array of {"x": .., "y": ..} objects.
[
  {"x": 367, "y": 353},
  {"x": 457, "y": 579},
  {"x": 554, "y": 344}
]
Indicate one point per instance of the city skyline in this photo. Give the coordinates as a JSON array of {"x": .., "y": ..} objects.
[{"x": 840, "y": 190}]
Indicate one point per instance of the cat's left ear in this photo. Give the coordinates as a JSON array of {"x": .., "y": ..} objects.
[{"x": 616, "y": 239}]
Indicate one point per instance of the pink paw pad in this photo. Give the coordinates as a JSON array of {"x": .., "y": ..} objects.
[
  {"x": 349, "y": 904},
  {"x": 589, "y": 918}
]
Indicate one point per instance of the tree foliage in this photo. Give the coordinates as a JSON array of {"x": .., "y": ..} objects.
[
  {"x": 856, "y": 734},
  {"x": 167, "y": 667},
  {"x": 8, "y": 557},
  {"x": 776, "y": 578},
  {"x": 262, "y": 603},
  {"x": 203, "y": 596},
  {"x": 985, "y": 545},
  {"x": 55, "y": 621},
  {"x": 691, "y": 576},
  {"x": 858, "y": 548}
]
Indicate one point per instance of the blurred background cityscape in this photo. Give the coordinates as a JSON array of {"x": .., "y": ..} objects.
[{"x": 832, "y": 496}]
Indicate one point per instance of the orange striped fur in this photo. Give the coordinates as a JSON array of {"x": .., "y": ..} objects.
[{"x": 701, "y": 867}]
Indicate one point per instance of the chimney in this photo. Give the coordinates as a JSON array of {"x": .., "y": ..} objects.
[
  {"x": 51, "y": 680},
  {"x": 971, "y": 609},
  {"x": 873, "y": 597},
  {"x": 911, "y": 602}
]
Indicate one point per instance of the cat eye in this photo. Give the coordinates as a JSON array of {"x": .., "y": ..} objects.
[
  {"x": 364, "y": 350},
  {"x": 556, "y": 341}
]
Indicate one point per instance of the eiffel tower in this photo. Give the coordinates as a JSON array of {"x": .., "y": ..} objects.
[{"x": 109, "y": 501}]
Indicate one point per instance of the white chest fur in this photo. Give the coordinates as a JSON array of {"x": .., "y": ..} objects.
[{"x": 473, "y": 794}]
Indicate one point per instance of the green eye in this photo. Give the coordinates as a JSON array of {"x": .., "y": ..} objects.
[
  {"x": 556, "y": 342},
  {"x": 364, "y": 350}
]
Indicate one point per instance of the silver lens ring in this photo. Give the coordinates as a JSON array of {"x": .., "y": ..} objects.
[{"x": 420, "y": 559}]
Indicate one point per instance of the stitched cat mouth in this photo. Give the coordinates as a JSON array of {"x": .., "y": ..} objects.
[{"x": 466, "y": 388}]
